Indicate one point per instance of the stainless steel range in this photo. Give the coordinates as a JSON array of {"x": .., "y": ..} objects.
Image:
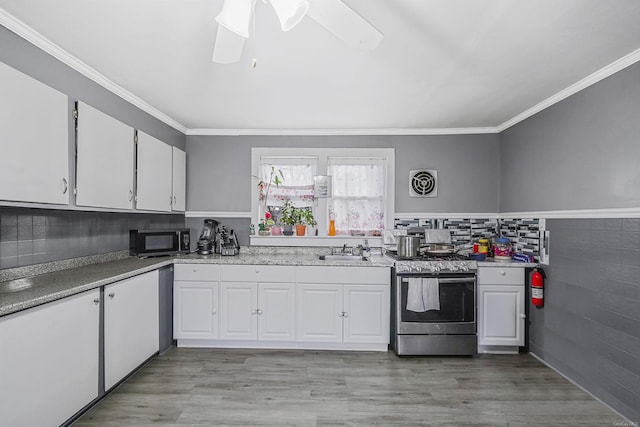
[{"x": 433, "y": 305}]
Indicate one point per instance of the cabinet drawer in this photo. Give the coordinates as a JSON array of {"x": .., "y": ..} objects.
[
  {"x": 257, "y": 273},
  {"x": 342, "y": 275},
  {"x": 500, "y": 276},
  {"x": 197, "y": 272}
]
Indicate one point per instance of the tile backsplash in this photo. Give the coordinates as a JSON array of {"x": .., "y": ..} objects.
[
  {"x": 31, "y": 236},
  {"x": 523, "y": 233}
]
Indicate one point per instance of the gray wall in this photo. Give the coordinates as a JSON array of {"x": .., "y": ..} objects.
[
  {"x": 589, "y": 328},
  {"x": 582, "y": 153},
  {"x": 219, "y": 169}
]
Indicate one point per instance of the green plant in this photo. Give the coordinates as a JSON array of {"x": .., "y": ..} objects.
[
  {"x": 288, "y": 214},
  {"x": 306, "y": 217}
]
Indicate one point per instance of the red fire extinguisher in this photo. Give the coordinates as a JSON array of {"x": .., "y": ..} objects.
[{"x": 537, "y": 287}]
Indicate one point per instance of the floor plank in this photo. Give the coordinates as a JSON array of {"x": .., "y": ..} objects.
[{"x": 330, "y": 388}]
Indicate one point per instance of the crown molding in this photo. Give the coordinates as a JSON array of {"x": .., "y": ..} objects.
[
  {"x": 590, "y": 80},
  {"x": 365, "y": 132},
  {"x": 40, "y": 41}
]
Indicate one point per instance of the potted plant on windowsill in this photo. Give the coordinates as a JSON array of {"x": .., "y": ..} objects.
[
  {"x": 305, "y": 218},
  {"x": 288, "y": 217}
]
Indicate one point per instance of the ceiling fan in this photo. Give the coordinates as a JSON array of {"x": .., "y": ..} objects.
[{"x": 336, "y": 17}]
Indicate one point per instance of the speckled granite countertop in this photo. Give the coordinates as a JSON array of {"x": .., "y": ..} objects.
[{"x": 28, "y": 287}]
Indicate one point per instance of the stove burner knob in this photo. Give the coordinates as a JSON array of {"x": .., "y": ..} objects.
[
  {"x": 434, "y": 268},
  {"x": 453, "y": 267},
  {"x": 465, "y": 268}
]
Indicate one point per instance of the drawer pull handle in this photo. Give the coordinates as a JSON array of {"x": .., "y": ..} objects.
[
  {"x": 195, "y": 270},
  {"x": 111, "y": 295},
  {"x": 96, "y": 301},
  {"x": 502, "y": 272},
  {"x": 523, "y": 316}
]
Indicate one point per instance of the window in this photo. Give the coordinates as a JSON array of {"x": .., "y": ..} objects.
[
  {"x": 296, "y": 174},
  {"x": 363, "y": 184},
  {"x": 358, "y": 201}
]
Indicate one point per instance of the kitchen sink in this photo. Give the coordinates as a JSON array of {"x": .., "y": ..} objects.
[{"x": 342, "y": 257}]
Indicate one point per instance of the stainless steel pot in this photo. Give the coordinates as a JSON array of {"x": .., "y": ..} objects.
[{"x": 408, "y": 246}]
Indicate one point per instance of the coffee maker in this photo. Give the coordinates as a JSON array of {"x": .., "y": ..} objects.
[
  {"x": 217, "y": 239},
  {"x": 207, "y": 240},
  {"x": 227, "y": 242}
]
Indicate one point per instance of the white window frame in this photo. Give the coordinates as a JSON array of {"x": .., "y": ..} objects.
[{"x": 321, "y": 210}]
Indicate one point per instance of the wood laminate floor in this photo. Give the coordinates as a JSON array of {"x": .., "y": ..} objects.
[{"x": 212, "y": 387}]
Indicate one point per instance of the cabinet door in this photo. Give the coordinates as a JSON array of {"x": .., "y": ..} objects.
[
  {"x": 276, "y": 311},
  {"x": 319, "y": 312},
  {"x": 238, "y": 310},
  {"x": 49, "y": 361},
  {"x": 366, "y": 317},
  {"x": 105, "y": 156},
  {"x": 131, "y": 325},
  {"x": 179, "y": 176},
  {"x": 501, "y": 315},
  {"x": 153, "y": 176},
  {"x": 34, "y": 120},
  {"x": 195, "y": 314}
]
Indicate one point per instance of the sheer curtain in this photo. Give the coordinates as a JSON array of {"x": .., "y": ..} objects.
[
  {"x": 296, "y": 174},
  {"x": 357, "y": 204}
]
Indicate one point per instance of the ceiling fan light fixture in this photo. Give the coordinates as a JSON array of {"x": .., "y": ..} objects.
[
  {"x": 235, "y": 16},
  {"x": 290, "y": 12}
]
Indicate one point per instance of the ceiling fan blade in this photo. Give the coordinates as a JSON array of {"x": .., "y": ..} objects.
[
  {"x": 228, "y": 46},
  {"x": 345, "y": 23}
]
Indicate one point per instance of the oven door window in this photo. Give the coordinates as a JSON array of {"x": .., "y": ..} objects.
[{"x": 457, "y": 304}]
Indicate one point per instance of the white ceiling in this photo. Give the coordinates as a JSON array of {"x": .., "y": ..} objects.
[{"x": 442, "y": 64}]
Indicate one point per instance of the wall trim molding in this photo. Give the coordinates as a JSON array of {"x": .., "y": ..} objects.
[
  {"x": 444, "y": 215},
  {"x": 559, "y": 214},
  {"x": 576, "y": 213},
  {"x": 342, "y": 132},
  {"x": 40, "y": 41},
  {"x": 219, "y": 214},
  {"x": 590, "y": 80}
]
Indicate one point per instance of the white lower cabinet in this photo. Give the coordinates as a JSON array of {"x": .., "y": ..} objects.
[
  {"x": 320, "y": 312},
  {"x": 257, "y": 303},
  {"x": 281, "y": 306},
  {"x": 195, "y": 301},
  {"x": 131, "y": 325},
  {"x": 347, "y": 304},
  {"x": 195, "y": 314},
  {"x": 49, "y": 361},
  {"x": 501, "y": 309}
]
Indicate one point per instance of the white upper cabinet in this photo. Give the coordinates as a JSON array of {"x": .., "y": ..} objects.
[
  {"x": 179, "y": 187},
  {"x": 34, "y": 165},
  {"x": 105, "y": 156},
  {"x": 154, "y": 174}
]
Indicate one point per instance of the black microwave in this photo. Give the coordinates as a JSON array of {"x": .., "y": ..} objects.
[{"x": 146, "y": 243}]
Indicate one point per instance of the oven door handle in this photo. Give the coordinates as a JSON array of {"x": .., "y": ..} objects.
[
  {"x": 452, "y": 280},
  {"x": 458, "y": 280}
]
